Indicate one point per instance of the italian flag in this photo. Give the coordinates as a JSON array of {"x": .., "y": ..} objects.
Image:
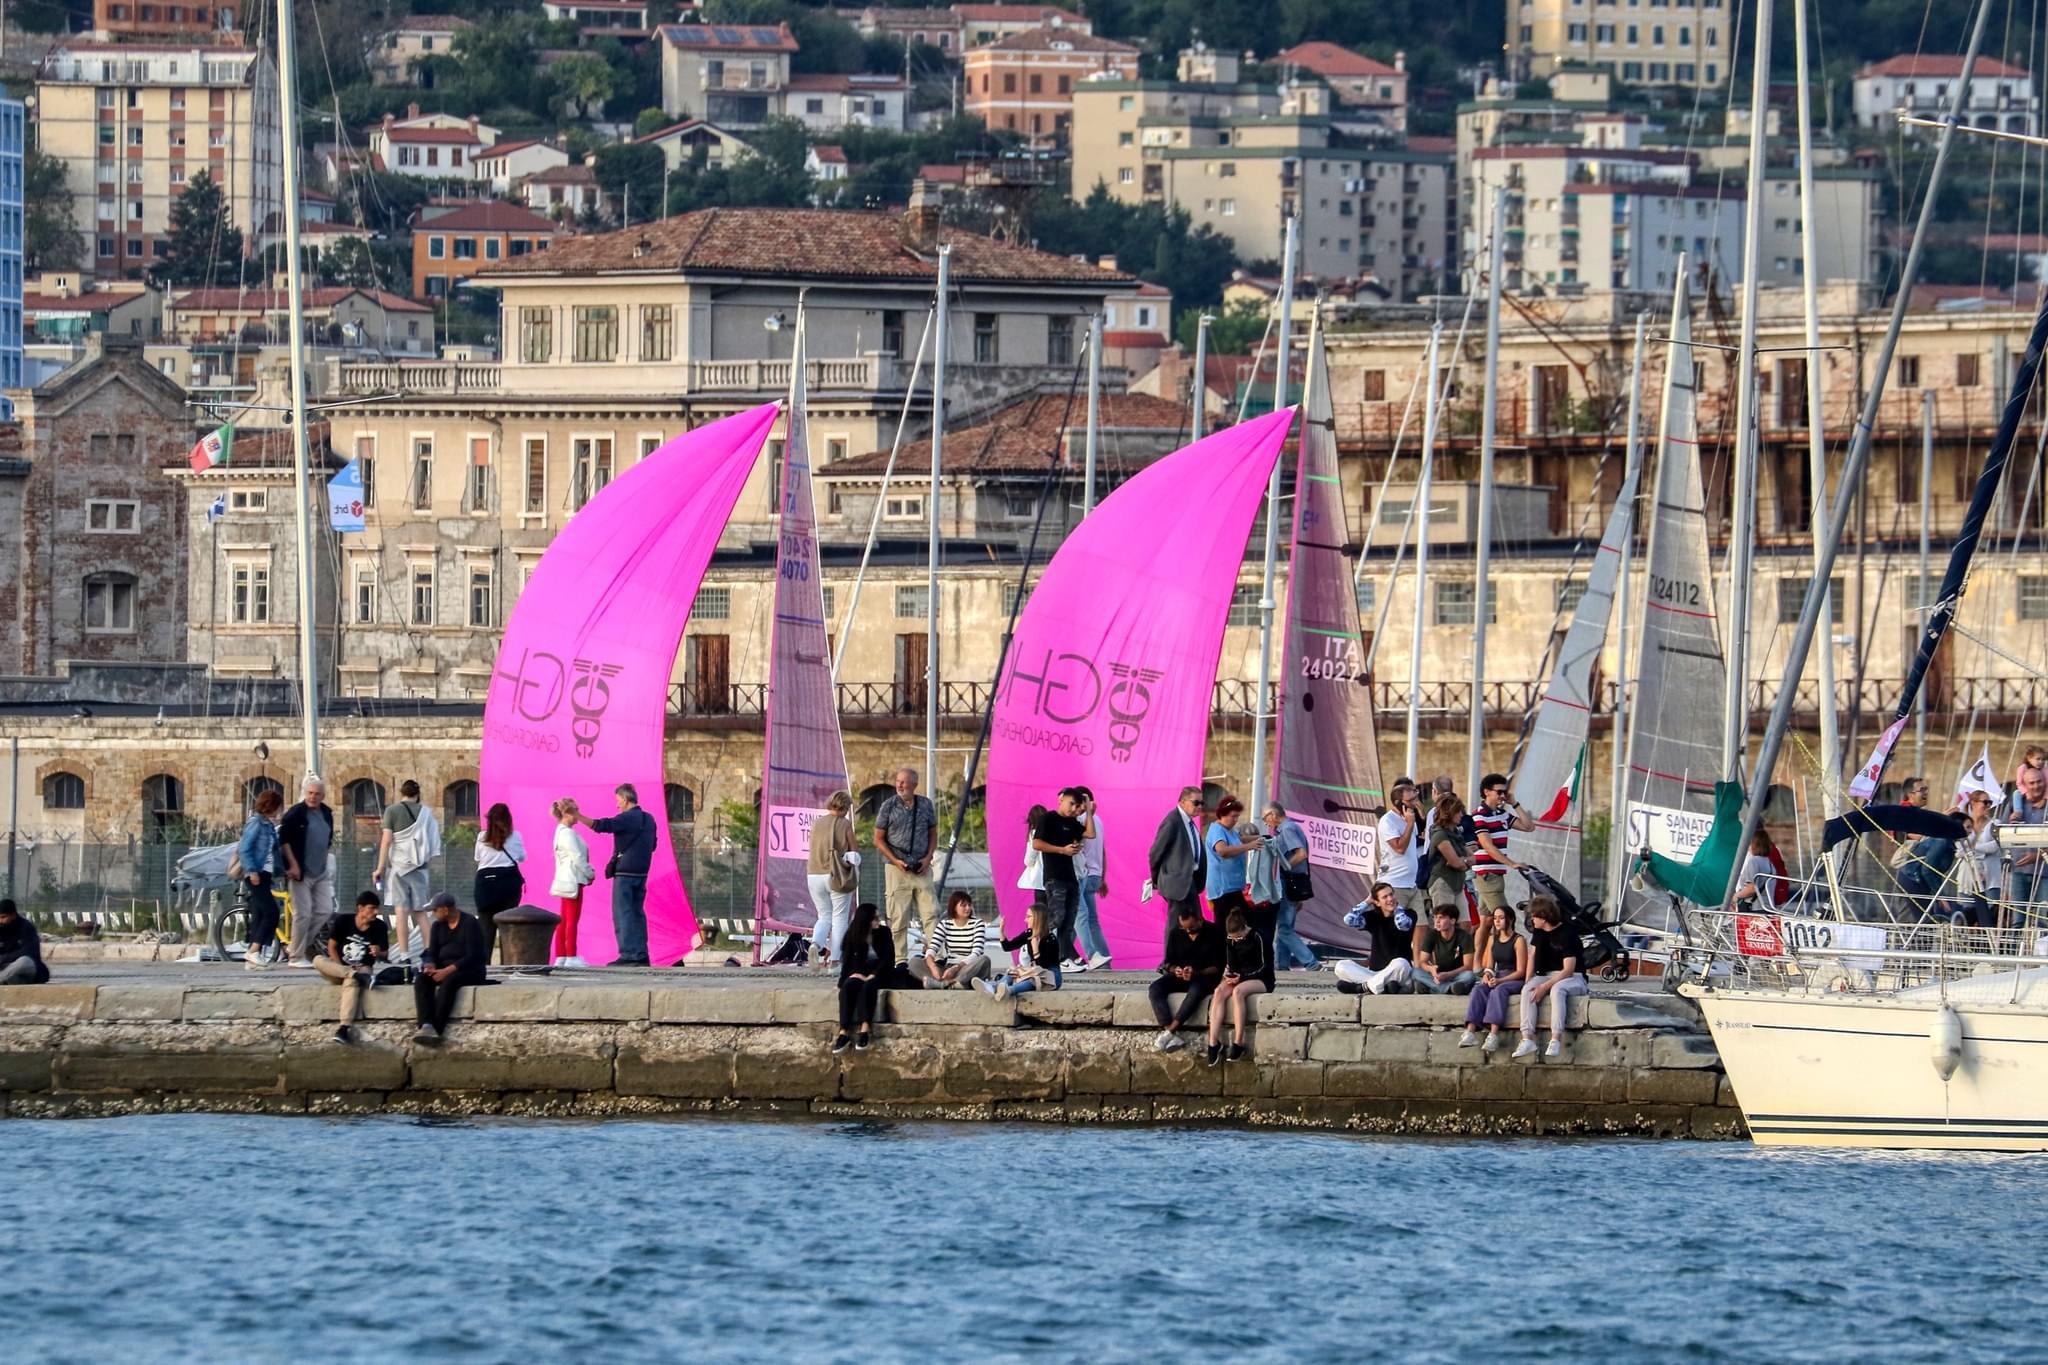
[
  {"x": 213, "y": 448},
  {"x": 1568, "y": 793}
]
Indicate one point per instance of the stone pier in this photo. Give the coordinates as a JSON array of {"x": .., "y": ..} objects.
[{"x": 638, "y": 1043}]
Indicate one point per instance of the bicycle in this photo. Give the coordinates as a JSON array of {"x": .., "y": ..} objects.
[{"x": 229, "y": 929}]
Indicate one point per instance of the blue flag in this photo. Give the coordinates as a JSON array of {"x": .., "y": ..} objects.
[
  {"x": 345, "y": 498},
  {"x": 217, "y": 509}
]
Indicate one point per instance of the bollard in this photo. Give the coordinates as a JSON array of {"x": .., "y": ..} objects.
[{"x": 526, "y": 936}]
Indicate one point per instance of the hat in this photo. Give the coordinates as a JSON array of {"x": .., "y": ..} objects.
[{"x": 443, "y": 901}]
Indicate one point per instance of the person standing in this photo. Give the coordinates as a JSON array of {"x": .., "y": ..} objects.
[
  {"x": 633, "y": 841},
  {"x": 357, "y": 944},
  {"x": 1982, "y": 844},
  {"x": 906, "y": 831},
  {"x": 1498, "y": 814},
  {"x": 1227, "y": 852},
  {"x": 257, "y": 853},
  {"x": 306, "y": 835},
  {"x": 573, "y": 872},
  {"x": 832, "y": 875},
  {"x": 455, "y": 956},
  {"x": 499, "y": 882},
  {"x": 1088, "y": 923},
  {"x": 1401, "y": 849},
  {"x": 21, "y": 949},
  {"x": 1447, "y": 858},
  {"x": 1176, "y": 863},
  {"x": 1296, "y": 888},
  {"x": 405, "y": 853},
  {"x": 1058, "y": 837}
]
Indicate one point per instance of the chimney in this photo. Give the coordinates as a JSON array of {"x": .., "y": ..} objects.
[
  {"x": 412, "y": 111},
  {"x": 1400, "y": 61},
  {"x": 1106, "y": 262},
  {"x": 921, "y": 219},
  {"x": 472, "y": 124}
]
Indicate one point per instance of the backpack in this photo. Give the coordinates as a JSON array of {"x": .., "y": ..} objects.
[{"x": 413, "y": 847}]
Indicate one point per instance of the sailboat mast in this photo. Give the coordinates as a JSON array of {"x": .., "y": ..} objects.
[
  {"x": 1742, "y": 518},
  {"x": 1482, "y": 594},
  {"x": 1094, "y": 409},
  {"x": 1198, "y": 392},
  {"x": 1419, "y": 514},
  {"x": 931, "y": 590},
  {"x": 1859, "y": 457},
  {"x": 1263, "y": 700},
  {"x": 1922, "y": 598},
  {"x": 1816, "y": 421},
  {"x": 1616, "y": 740},
  {"x": 295, "y": 288}
]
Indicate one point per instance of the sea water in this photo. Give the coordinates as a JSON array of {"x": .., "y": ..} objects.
[{"x": 223, "y": 1238}]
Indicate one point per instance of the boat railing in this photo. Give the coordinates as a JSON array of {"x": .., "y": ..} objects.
[{"x": 1803, "y": 954}]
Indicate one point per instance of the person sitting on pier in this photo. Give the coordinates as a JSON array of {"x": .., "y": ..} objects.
[
  {"x": 455, "y": 957},
  {"x": 21, "y": 949},
  {"x": 1504, "y": 958},
  {"x": 1038, "y": 964},
  {"x": 866, "y": 953},
  {"x": 358, "y": 943},
  {"x": 1194, "y": 964},
  {"x": 1247, "y": 971},
  {"x": 1390, "y": 931},
  {"x": 1555, "y": 953},
  {"x": 957, "y": 954},
  {"x": 1443, "y": 955}
]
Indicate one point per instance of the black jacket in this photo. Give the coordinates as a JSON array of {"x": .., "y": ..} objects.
[
  {"x": 463, "y": 947},
  {"x": 1046, "y": 956},
  {"x": 291, "y": 832},
  {"x": 1247, "y": 957},
  {"x": 20, "y": 940},
  {"x": 633, "y": 835},
  {"x": 884, "y": 944},
  {"x": 1203, "y": 952}
]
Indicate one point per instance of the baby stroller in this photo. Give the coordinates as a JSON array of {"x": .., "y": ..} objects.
[{"x": 1604, "y": 951}]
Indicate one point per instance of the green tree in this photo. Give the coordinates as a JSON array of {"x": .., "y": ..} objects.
[
  {"x": 49, "y": 234},
  {"x": 1235, "y": 331},
  {"x": 349, "y": 262},
  {"x": 650, "y": 121},
  {"x": 205, "y": 246},
  {"x": 627, "y": 167},
  {"x": 1156, "y": 244},
  {"x": 381, "y": 201},
  {"x": 582, "y": 84}
]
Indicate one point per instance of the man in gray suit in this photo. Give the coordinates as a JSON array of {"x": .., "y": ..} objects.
[{"x": 1177, "y": 862}]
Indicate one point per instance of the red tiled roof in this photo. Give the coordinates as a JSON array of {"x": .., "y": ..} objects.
[
  {"x": 1135, "y": 339},
  {"x": 277, "y": 300},
  {"x": 1926, "y": 297},
  {"x": 574, "y": 174},
  {"x": 486, "y": 215},
  {"x": 1937, "y": 64},
  {"x": 2014, "y": 241},
  {"x": 1017, "y": 14},
  {"x": 1150, "y": 290},
  {"x": 1433, "y": 144},
  {"x": 937, "y": 173},
  {"x": 78, "y": 303},
  {"x": 1328, "y": 59},
  {"x": 512, "y": 145},
  {"x": 1050, "y": 39},
  {"x": 1020, "y": 437},
  {"x": 432, "y": 23},
  {"x": 829, "y": 154},
  {"x": 729, "y": 37},
  {"x": 398, "y": 132},
  {"x": 805, "y": 243}
]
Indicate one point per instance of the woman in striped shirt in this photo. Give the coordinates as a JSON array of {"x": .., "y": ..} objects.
[{"x": 954, "y": 956}]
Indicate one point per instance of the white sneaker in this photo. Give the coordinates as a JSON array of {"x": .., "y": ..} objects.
[
  {"x": 1098, "y": 962},
  {"x": 1468, "y": 1039},
  {"x": 987, "y": 985},
  {"x": 253, "y": 961},
  {"x": 1556, "y": 1048},
  {"x": 573, "y": 961},
  {"x": 1074, "y": 965},
  {"x": 1492, "y": 1043},
  {"x": 1168, "y": 1041},
  {"x": 1001, "y": 990},
  {"x": 1525, "y": 1048}
]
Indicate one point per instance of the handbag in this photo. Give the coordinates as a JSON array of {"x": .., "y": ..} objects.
[
  {"x": 1296, "y": 884},
  {"x": 611, "y": 867}
]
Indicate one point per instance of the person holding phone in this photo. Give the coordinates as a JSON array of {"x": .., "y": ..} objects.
[
  {"x": 1058, "y": 838},
  {"x": 906, "y": 832},
  {"x": 1247, "y": 971}
]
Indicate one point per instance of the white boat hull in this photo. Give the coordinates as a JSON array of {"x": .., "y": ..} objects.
[{"x": 1855, "y": 1071}]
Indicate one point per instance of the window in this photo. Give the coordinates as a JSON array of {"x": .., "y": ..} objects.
[
  {"x": 536, "y": 335},
  {"x": 364, "y": 799},
  {"x": 712, "y": 604},
  {"x": 1059, "y": 341},
  {"x": 249, "y": 593},
  {"x": 892, "y": 331},
  {"x": 63, "y": 791},
  {"x": 914, "y": 604},
  {"x": 986, "y": 350},
  {"x": 1569, "y": 593},
  {"x": 1244, "y": 606},
  {"x": 423, "y": 594},
  {"x": 248, "y": 499},
  {"x": 1792, "y": 597},
  {"x": 437, "y": 250},
  {"x": 493, "y": 246},
  {"x": 2033, "y": 598},
  {"x": 163, "y": 802},
  {"x": 461, "y": 803},
  {"x": 1374, "y": 388},
  {"x": 648, "y": 445},
  {"x": 480, "y": 612},
  {"x": 477, "y": 496},
  {"x": 657, "y": 331},
  {"x": 1455, "y": 605},
  {"x": 681, "y": 803},
  {"x": 597, "y": 332},
  {"x": 1909, "y": 371},
  {"x": 465, "y": 247},
  {"x": 1227, "y": 207},
  {"x": 1037, "y": 85},
  {"x": 1126, "y": 176},
  {"x": 422, "y": 473},
  {"x": 1367, "y": 593},
  {"x": 536, "y": 475},
  {"x": 366, "y": 595},
  {"x": 591, "y": 460},
  {"x": 1968, "y": 375},
  {"x": 904, "y": 507},
  {"x": 109, "y": 604},
  {"x": 1011, "y": 603},
  {"x": 1921, "y": 593},
  {"x": 108, "y": 514}
]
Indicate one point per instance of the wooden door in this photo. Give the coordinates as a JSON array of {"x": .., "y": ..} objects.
[
  {"x": 710, "y": 670},
  {"x": 912, "y": 657}
]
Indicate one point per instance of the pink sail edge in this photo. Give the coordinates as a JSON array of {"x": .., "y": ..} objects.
[
  {"x": 579, "y": 698},
  {"x": 1108, "y": 682}
]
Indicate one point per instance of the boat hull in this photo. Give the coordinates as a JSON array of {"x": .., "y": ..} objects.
[{"x": 1848, "y": 1071}]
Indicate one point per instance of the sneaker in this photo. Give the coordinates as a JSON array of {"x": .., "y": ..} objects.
[
  {"x": 252, "y": 960},
  {"x": 428, "y": 1034},
  {"x": 574, "y": 961},
  {"x": 1492, "y": 1043},
  {"x": 304, "y": 962},
  {"x": 841, "y": 1043},
  {"x": 864, "y": 1042},
  {"x": 1001, "y": 991},
  {"x": 1468, "y": 1038},
  {"x": 1074, "y": 964},
  {"x": 1168, "y": 1041},
  {"x": 1349, "y": 988},
  {"x": 1237, "y": 1052},
  {"x": 1556, "y": 1048},
  {"x": 629, "y": 962},
  {"x": 987, "y": 985},
  {"x": 1525, "y": 1048},
  {"x": 1215, "y": 1054},
  {"x": 1098, "y": 962},
  {"x": 344, "y": 1034}
]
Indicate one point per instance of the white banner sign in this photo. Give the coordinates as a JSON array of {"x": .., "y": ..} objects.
[
  {"x": 787, "y": 831},
  {"x": 1828, "y": 933},
  {"x": 1333, "y": 844},
  {"x": 1673, "y": 833}
]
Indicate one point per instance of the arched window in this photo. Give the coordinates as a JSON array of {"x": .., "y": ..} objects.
[
  {"x": 871, "y": 799},
  {"x": 163, "y": 804},
  {"x": 364, "y": 799},
  {"x": 682, "y": 803},
  {"x": 460, "y": 803},
  {"x": 256, "y": 786},
  {"x": 63, "y": 791}
]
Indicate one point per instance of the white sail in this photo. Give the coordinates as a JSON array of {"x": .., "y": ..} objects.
[
  {"x": 1551, "y": 780},
  {"x": 1674, "y": 739}
]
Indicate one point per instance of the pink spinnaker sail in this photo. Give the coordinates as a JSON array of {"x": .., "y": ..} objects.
[
  {"x": 1109, "y": 679},
  {"x": 579, "y": 700}
]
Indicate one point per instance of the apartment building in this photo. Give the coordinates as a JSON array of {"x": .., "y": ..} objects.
[
  {"x": 452, "y": 242},
  {"x": 200, "y": 22},
  {"x": 983, "y": 24},
  {"x": 432, "y": 146},
  {"x": 510, "y": 159},
  {"x": 734, "y": 76},
  {"x": 1362, "y": 85},
  {"x": 400, "y": 55},
  {"x": 1025, "y": 82},
  {"x": 1644, "y": 42},
  {"x": 2001, "y": 96},
  {"x": 331, "y": 313},
  {"x": 600, "y": 18},
  {"x": 939, "y": 28},
  {"x": 133, "y": 124},
  {"x": 825, "y": 102},
  {"x": 694, "y": 138},
  {"x": 13, "y": 283}
]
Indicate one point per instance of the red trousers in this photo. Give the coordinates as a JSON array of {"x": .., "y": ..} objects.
[{"x": 565, "y": 932}]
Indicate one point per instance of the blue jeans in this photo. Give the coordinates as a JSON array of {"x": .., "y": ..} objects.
[
  {"x": 1288, "y": 945},
  {"x": 629, "y": 916},
  {"x": 1018, "y": 985},
  {"x": 2029, "y": 887},
  {"x": 1423, "y": 984},
  {"x": 1087, "y": 923}
]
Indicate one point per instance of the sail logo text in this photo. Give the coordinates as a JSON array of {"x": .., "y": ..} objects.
[
  {"x": 1068, "y": 689},
  {"x": 541, "y": 683}
]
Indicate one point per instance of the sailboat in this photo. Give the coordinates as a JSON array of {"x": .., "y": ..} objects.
[
  {"x": 1326, "y": 754},
  {"x": 804, "y": 758}
]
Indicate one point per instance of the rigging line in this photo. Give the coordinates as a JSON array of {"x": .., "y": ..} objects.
[
  {"x": 1999, "y": 652},
  {"x": 1386, "y": 478}
]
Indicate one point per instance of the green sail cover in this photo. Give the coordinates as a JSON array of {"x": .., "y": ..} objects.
[{"x": 1704, "y": 880}]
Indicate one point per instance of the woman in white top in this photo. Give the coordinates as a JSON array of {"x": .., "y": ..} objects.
[
  {"x": 573, "y": 872},
  {"x": 1032, "y": 878},
  {"x": 499, "y": 882},
  {"x": 1982, "y": 846}
]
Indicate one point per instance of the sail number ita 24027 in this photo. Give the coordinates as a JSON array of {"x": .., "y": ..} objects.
[{"x": 1339, "y": 661}]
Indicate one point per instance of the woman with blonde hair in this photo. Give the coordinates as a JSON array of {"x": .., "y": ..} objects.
[
  {"x": 573, "y": 872},
  {"x": 1038, "y": 967},
  {"x": 834, "y": 875}
]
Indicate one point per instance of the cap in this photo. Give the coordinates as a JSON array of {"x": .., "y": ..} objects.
[{"x": 443, "y": 901}]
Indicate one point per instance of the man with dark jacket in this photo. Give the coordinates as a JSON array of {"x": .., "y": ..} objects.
[
  {"x": 633, "y": 841},
  {"x": 1177, "y": 862},
  {"x": 454, "y": 958},
  {"x": 305, "y": 839},
  {"x": 1194, "y": 963},
  {"x": 21, "y": 949}
]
